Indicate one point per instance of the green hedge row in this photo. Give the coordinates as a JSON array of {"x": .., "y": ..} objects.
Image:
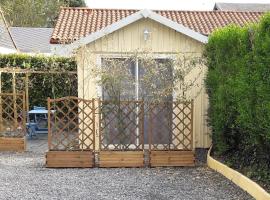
[
  {"x": 41, "y": 86},
  {"x": 238, "y": 85}
]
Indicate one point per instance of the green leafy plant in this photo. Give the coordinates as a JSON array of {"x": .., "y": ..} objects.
[
  {"x": 41, "y": 86},
  {"x": 35, "y": 13},
  {"x": 238, "y": 85}
]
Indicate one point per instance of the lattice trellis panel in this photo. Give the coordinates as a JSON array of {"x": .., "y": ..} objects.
[
  {"x": 12, "y": 115},
  {"x": 71, "y": 124},
  {"x": 170, "y": 126},
  {"x": 121, "y": 125}
]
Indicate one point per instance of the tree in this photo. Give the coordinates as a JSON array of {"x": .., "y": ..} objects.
[
  {"x": 35, "y": 13},
  {"x": 75, "y": 3}
]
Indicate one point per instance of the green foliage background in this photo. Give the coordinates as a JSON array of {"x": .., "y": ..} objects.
[
  {"x": 41, "y": 86},
  {"x": 35, "y": 13},
  {"x": 238, "y": 85}
]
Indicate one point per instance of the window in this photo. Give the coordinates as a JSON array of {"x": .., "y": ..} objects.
[
  {"x": 137, "y": 73},
  {"x": 132, "y": 85},
  {"x": 123, "y": 88}
]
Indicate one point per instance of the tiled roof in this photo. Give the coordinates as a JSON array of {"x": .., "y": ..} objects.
[
  {"x": 32, "y": 40},
  {"x": 23, "y": 39},
  {"x": 5, "y": 37},
  {"x": 75, "y": 23},
  {"x": 247, "y": 7}
]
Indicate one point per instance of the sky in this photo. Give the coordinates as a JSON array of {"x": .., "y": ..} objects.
[{"x": 163, "y": 4}]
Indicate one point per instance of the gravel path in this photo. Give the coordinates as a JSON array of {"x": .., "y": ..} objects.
[{"x": 23, "y": 176}]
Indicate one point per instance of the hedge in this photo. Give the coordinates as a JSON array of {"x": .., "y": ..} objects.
[
  {"x": 41, "y": 86},
  {"x": 238, "y": 85}
]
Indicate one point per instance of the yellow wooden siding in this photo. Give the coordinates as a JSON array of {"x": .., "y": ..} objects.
[
  {"x": 130, "y": 38},
  {"x": 163, "y": 41}
]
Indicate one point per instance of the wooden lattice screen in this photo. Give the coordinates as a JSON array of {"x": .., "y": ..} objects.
[
  {"x": 171, "y": 126},
  {"x": 121, "y": 125},
  {"x": 12, "y": 115},
  {"x": 71, "y": 124}
]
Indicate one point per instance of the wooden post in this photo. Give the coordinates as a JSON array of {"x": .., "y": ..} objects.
[
  {"x": 142, "y": 124},
  {"x": 49, "y": 123},
  {"x": 14, "y": 100},
  {"x": 99, "y": 125},
  {"x": 93, "y": 121},
  {"x": 150, "y": 130},
  {"x": 27, "y": 95},
  {"x": 83, "y": 121},
  {"x": 191, "y": 128},
  {"x": 24, "y": 114}
]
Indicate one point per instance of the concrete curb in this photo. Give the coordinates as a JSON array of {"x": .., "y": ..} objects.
[{"x": 239, "y": 179}]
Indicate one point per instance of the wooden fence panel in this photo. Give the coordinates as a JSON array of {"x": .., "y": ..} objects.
[
  {"x": 12, "y": 115},
  {"x": 71, "y": 128},
  {"x": 171, "y": 137},
  {"x": 12, "y": 122},
  {"x": 73, "y": 123},
  {"x": 121, "y": 134}
]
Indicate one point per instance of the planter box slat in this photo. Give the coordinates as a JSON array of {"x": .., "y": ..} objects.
[
  {"x": 121, "y": 159},
  {"x": 12, "y": 144},
  {"x": 63, "y": 159},
  {"x": 172, "y": 158}
]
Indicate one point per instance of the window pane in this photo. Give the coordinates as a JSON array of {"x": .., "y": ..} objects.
[
  {"x": 116, "y": 118},
  {"x": 155, "y": 79},
  {"x": 123, "y": 84}
]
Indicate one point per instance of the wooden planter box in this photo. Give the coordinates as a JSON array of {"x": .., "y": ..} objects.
[
  {"x": 12, "y": 144},
  {"x": 172, "y": 158},
  {"x": 69, "y": 159},
  {"x": 121, "y": 159}
]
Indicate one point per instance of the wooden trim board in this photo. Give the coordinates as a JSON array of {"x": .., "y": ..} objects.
[
  {"x": 239, "y": 179},
  {"x": 171, "y": 158},
  {"x": 12, "y": 144},
  {"x": 69, "y": 159},
  {"x": 121, "y": 159}
]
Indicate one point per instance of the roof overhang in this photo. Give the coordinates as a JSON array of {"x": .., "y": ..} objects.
[{"x": 69, "y": 48}]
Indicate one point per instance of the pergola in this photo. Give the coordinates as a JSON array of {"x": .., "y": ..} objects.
[{"x": 16, "y": 70}]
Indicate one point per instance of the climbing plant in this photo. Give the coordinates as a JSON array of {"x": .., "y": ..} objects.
[{"x": 157, "y": 79}]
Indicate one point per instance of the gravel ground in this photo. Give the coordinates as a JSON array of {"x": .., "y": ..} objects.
[{"x": 23, "y": 176}]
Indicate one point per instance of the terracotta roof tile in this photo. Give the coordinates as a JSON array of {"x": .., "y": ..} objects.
[{"x": 75, "y": 23}]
